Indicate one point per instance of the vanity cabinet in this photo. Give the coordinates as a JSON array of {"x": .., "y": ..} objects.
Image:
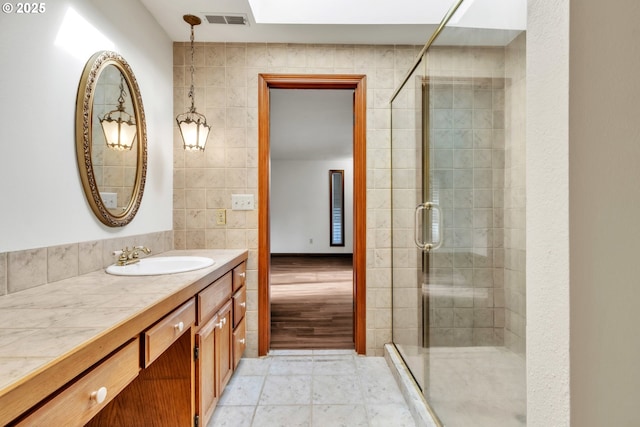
[
  {"x": 239, "y": 339},
  {"x": 213, "y": 362},
  {"x": 165, "y": 365},
  {"x": 161, "y": 394},
  {"x": 215, "y": 350}
]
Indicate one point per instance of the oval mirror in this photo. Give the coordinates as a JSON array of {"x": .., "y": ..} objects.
[{"x": 111, "y": 138}]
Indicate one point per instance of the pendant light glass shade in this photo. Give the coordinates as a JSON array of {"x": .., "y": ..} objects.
[
  {"x": 194, "y": 130},
  {"x": 193, "y": 125},
  {"x": 118, "y": 126},
  {"x": 119, "y": 133}
]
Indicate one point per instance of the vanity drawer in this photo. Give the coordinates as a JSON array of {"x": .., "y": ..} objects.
[
  {"x": 239, "y": 305},
  {"x": 213, "y": 296},
  {"x": 239, "y": 342},
  {"x": 88, "y": 395},
  {"x": 164, "y": 333},
  {"x": 239, "y": 276}
]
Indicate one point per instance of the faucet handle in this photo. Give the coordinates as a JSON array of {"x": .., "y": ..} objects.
[{"x": 123, "y": 255}]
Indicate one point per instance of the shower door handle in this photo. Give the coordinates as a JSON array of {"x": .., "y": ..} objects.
[{"x": 427, "y": 246}]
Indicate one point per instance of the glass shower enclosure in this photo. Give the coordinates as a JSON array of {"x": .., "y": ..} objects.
[{"x": 458, "y": 226}]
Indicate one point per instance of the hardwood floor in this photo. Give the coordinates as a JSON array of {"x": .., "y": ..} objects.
[{"x": 311, "y": 302}]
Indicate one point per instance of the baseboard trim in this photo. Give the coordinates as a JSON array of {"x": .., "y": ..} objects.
[{"x": 331, "y": 255}]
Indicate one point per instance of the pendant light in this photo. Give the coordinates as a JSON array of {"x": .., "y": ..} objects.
[
  {"x": 118, "y": 126},
  {"x": 193, "y": 126}
]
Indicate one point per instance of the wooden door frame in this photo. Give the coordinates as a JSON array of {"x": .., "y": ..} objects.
[{"x": 323, "y": 81}]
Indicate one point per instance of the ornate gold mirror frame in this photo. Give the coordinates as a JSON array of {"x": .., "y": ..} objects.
[{"x": 87, "y": 126}]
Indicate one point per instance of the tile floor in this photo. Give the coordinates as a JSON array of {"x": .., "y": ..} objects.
[{"x": 312, "y": 388}]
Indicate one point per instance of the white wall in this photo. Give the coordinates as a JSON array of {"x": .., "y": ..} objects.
[
  {"x": 547, "y": 228},
  {"x": 300, "y": 206},
  {"x": 43, "y": 203}
]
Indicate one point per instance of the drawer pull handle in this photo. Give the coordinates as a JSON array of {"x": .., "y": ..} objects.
[
  {"x": 243, "y": 304},
  {"x": 179, "y": 327},
  {"x": 241, "y": 340},
  {"x": 100, "y": 395}
]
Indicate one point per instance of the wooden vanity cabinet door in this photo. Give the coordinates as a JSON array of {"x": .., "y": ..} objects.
[
  {"x": 214, "y": 364},
  {"x": 225, "y": 345},
  {"x": 207, "y": 390}
]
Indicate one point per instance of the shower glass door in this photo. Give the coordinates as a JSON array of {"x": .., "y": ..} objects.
[
  {"x": 412, "y": 223},
  {"x": 458, "y": 242}
]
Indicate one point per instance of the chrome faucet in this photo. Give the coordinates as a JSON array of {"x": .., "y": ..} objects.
[{"x": 127, "y": 257}]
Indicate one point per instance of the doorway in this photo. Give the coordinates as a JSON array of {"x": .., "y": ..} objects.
[
  {"x": 311, "y": 214},
  {"x": 278, "y": 81}
]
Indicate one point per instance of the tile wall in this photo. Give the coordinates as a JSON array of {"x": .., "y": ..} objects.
[
  {"x": 514, "y": 197},
  {"x": 468, "y": 146},
  {"x": 468, "y": 169},
  {"x": 477, "y": 127},
  {"x": 29, "y": 268},
  {"x": 226, "y": 80}
]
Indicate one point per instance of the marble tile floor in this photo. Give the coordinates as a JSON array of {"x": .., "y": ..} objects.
[{"x": 316, "y": 388}]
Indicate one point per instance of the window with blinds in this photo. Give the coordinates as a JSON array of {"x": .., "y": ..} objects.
[{"x": 336, "y": 207}]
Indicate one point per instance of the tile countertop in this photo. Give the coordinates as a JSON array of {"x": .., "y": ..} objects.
[{"x": 50, "y": 325}]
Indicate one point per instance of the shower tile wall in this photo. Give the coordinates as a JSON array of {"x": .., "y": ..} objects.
[
  {"x": 226, "y": 80},
  {"x": 467, "y": 116},
  {"x": 467, "y": 110},
  {"x": 514, "y": 197}
]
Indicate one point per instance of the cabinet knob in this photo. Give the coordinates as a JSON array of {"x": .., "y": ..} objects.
[
  {"x": 243, "y": 274},
  {"x": 99, "y": 395},
  {"x": 243, "y": 304},
  {"x": 241, "y": 340},
  {"x": 179, "y": 327}
]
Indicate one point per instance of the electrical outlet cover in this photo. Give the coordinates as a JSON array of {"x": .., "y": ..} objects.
[{"x": 221, "y": 217}]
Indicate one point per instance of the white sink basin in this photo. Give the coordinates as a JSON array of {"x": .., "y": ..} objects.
[{"x": 161, "y": 265}]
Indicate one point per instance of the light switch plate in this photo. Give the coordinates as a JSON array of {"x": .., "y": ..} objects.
[{"x": 242, "y": 202}]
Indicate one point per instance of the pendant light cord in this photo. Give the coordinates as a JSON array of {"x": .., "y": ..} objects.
[{"x": 192, "y": 94}]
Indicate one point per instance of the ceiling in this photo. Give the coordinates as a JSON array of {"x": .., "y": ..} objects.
[
  {"x": 300, "y": 118},
  {"x": 484, "y": 22}
]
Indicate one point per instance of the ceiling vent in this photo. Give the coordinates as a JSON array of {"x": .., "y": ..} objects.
[{"x": 236, "y": 19}]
